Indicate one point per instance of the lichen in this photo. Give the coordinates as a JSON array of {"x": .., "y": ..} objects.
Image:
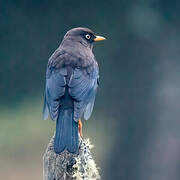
[
  {"x": 86, "y": 166},
  {"x": 68, "y": 166}
]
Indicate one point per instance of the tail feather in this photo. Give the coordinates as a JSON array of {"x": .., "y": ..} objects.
[{"x": 66, "y": 136}]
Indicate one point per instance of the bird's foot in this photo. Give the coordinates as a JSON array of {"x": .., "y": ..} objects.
[{"x": 80, "y": 128}]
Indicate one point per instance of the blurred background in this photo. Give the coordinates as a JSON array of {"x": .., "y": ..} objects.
[{"x": 135, "y": 124}]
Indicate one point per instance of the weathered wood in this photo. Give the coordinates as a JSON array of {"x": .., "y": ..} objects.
[{"x": 68, "y": 166}]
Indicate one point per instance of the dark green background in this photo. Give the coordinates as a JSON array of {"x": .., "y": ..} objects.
[{"x": 135, "y": 124}]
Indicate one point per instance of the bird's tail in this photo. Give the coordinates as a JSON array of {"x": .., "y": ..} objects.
[{"x": 66, "y": 136}]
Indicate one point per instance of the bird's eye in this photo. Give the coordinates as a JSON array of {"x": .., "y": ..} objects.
[{"x": 88, "y": 36}]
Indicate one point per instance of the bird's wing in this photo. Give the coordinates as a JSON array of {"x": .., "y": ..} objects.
[
  {"x": 82, "y": 88},
  {"x": 54, "y": 90}
]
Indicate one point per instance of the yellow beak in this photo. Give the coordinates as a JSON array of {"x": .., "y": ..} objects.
[{"x": 99, "y": 38}]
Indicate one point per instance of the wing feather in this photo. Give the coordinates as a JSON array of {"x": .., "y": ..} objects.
[
  {"x": 55, "y": 89},
  {"x": 82, "y": 88}
]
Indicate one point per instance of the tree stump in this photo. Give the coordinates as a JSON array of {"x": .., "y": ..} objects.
[{"x": 68, "y": 166}]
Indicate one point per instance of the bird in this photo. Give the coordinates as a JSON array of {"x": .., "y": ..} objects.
[{"x": 72, "y": 79}]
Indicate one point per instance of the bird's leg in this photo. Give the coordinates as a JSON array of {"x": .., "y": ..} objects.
[{"x": 80, "y": 128}]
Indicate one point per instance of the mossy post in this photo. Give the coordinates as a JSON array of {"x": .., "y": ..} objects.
[{"x": 68, "y": 166}]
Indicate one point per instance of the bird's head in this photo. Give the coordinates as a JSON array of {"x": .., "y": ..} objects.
[{"x": 82, "y": 35}]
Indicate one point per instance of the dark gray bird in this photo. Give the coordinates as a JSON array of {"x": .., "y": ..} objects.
[{"x": 71, "y": 83}]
